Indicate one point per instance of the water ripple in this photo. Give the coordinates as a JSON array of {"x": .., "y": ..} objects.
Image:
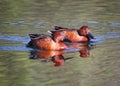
[
  {"x": 14, "y": 48},
  {"x": 39, "y": 24},
  {"x": 15, "y": 38},
  {"x": 17, "y": 22},
  {"x": 114, "y": 24},
  {"x": 113, "y": 35},
  {"x": 92, "y": 22}
]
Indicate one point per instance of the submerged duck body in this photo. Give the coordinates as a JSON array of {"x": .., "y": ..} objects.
[
  {"x": 45, "y": 42},
  {"x": 72, "y": 35}
]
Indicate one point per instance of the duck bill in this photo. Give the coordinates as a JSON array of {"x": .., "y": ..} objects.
[{"x": 90, "y": 36}]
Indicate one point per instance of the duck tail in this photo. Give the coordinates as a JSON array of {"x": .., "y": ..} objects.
[
  {"x": 59, "y": 28},
  {"x": 37, "y": 36},
  {"x": 33, "y": 36},
  {"x": 51, "y": 31}
]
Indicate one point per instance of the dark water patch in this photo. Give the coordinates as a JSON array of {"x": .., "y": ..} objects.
[
  {"x": 112, "y": 35},
  {"x": 1, "y": 20},
  {"x": 114, "y": 24},
  {"x": 24, "y": 40},
  {"x": 14, "y": 48},
  {"x": 93, "y": 22},
  {"x": 101, "y": 38},
  {"x": 38, "y": 24},
  {"x": 3, "y": 27},
  {"x": 73, "y": 25},
  {"x": 17, "y": 22}
]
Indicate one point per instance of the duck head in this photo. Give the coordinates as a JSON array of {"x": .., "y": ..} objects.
[{"x": 85, "y": 31}]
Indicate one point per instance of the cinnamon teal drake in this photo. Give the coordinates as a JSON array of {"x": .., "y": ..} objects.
[
  {"x": 73, "y": 35},
  {"x": 46, "y": 42}
]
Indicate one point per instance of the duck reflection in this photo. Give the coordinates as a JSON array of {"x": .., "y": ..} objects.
[
  {"x": 57, "y": 56},
  {"x": 47, "y": 56},
  {"x": 59, "y": 60},
  {"x": 84, "y": 48}
]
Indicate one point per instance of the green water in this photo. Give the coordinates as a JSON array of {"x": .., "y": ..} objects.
[{"x": 18, "y": 18}]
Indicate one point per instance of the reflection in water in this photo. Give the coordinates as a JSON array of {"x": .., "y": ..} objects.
[{"x": 57, "y": 56}]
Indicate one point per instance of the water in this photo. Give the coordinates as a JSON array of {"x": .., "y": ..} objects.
[{"x": 21, "y": 66}]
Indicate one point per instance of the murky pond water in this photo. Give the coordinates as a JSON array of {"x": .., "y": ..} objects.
[{"x": 21, "y": 66}]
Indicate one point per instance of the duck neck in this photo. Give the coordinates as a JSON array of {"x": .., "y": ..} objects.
[{"x": 79, "y": 32}]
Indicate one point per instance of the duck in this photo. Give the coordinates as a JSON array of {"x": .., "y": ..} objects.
[
  {"x": 46, "y": 42},
  {"x": 73, "y": 35}
]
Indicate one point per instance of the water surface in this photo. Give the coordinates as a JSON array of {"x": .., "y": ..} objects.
[{"x": 20, "y": 18}]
